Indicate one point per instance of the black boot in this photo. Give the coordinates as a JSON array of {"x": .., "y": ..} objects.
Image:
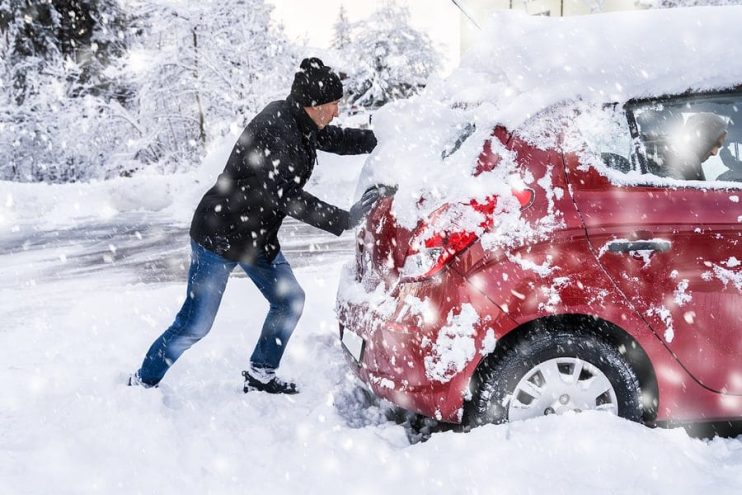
[
  {"x": 273, "y": 386},
  {"x": 136, "y": 381}
]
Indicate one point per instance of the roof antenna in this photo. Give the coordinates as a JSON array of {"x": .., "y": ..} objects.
[{"x": 456, "y": 3}]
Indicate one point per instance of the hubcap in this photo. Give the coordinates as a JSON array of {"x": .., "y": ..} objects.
[{"x": 560, "y": 385}]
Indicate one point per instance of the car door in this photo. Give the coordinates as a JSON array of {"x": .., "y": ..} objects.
[{"x": 673, "y": 246}]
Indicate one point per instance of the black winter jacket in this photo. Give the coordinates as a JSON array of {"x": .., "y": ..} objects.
[{"x": 263, "y": 182}]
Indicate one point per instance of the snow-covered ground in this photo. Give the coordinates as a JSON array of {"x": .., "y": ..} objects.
[{"x": 68, "y": 425}]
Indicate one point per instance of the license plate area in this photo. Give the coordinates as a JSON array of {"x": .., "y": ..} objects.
[{"x": 353, "y": 343}]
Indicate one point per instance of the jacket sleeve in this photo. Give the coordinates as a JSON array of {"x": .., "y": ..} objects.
[
  {"x": 340, "y": 141},
  {"x": 283, "y": 186},
  {"x": 307, "y": 208}
]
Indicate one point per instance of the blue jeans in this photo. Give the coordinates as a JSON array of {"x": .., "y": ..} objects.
[{"x": 207, "y": 279}]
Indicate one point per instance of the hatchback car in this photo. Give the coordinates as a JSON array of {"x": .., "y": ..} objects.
[{"x": 632, "y": 302}]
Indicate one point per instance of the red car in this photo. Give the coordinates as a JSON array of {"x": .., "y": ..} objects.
[{"x": 631, "y": 304}]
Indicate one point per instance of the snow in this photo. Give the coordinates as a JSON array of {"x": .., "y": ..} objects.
[
  {"x": 664, "y": 314},
  {"x": 728, "y": 276},
  {"x": 68, "y": 425},
  {"x": 689, "y": 317},
  {"x": 543, "y": 270},
  {"x": 488, "y": 343},
  {"x": 528, "y": 73},
  {"x": 172, "y": 197},
  {"x": 551, "y": 293},
  {"x": 423, "y": 308},
  {"x": 454, "y": 346},
  {"x": 681, "y": 297},
  {"x": 608, "y": 57},
  {"x": 353, "y": 293}
]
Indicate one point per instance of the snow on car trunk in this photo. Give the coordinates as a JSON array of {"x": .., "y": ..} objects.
[{"x": 429, "y": 144}]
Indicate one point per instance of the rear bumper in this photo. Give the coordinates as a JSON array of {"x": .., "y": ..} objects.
[
  {"x": 389, "y": 374},
  {"x": 415, "y": 353}
]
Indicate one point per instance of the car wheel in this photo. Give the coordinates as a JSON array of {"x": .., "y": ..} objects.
[{"x": 552, "y": 372}]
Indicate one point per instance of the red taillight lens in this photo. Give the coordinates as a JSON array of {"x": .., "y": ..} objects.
[{"x": 451, "y": 229}]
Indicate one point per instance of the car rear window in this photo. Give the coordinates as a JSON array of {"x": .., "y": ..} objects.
[
  {"x": 691, "y": 138},
  {"x": 465, "y": 131}
]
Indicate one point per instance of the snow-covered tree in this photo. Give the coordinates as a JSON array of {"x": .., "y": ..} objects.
[
  {"x": 53, "y": 123},
  {"x": 201, "y": 67},
  {"x": 72, "y": 109},
  {"x": 341, "y": 30},
  {"x": 87, "y": 33},
  {"x": 391, "y": 59}
]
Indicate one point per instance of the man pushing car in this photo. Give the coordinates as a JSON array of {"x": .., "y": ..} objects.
[{"x": 238, "y": 219}]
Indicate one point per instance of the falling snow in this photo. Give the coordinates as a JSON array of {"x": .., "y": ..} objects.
[{"x": 76, "y": 320}]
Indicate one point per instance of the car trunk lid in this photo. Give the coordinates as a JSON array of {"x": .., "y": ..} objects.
[{"x": 382, "y": 245}]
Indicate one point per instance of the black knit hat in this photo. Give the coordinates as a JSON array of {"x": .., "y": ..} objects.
[{"x": 316, "y": 84}]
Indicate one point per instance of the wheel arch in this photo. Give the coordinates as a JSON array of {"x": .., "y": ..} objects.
[{"x": 627, "y": 345}]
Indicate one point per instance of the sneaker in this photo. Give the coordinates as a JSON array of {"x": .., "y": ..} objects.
[
  {"x": 136, "y": 381},
  {"x": 268, "y": 382}
]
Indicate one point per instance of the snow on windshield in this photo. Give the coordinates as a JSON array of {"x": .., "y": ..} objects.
[{"x": 522, "y": 65}]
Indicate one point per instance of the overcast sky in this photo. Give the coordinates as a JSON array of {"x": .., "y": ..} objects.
[{"x": 314, "y": 19}]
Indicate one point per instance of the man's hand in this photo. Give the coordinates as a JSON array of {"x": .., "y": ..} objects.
[{"x": 363, "y": 206}]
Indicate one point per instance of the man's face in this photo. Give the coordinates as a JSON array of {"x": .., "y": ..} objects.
[
  {"x": 717, "y": 146},
  {"x": 323, "y": 114}
]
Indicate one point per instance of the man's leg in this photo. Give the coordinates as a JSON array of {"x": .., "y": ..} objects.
[
  {"x": 207, "y": 279},
  {"x": 286, "y": 297}
]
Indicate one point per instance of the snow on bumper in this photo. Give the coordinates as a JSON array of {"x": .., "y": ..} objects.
[{"x": 420, "y": 345}]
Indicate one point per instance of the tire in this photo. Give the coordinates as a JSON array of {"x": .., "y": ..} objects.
[{"x": 539, "y": 369}]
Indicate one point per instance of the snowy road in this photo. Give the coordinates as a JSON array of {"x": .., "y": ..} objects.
[{"x": 146, "y": 249}]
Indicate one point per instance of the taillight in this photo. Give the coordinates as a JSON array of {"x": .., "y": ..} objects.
[{"x": 451, "y": 229}]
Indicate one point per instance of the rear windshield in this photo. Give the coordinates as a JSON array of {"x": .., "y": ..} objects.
[{"x": 465, "y": 131}]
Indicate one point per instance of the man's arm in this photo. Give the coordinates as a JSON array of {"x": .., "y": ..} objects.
[
  {"x": 284, "y": 191},
  {"x": 340, "y": 141},
  {"x": 307, "y": 208}
]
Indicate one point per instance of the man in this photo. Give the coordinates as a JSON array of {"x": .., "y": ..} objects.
[
  {"x": 237, "y": 222},
  {"x": 703, "y": 136}
]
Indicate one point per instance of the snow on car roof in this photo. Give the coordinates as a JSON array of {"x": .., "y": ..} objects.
[
  {"x": 522, "y": 65},
  {"x": 607, "y": 57}
]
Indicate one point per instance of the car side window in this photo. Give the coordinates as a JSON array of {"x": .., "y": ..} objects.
[
  {"x": 615, "y": 149},
  {"x": 601, "y": 134},
  {"x": 690, "y": 138}
]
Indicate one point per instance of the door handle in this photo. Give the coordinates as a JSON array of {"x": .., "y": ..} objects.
[{"x": 623, "y": 246}]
